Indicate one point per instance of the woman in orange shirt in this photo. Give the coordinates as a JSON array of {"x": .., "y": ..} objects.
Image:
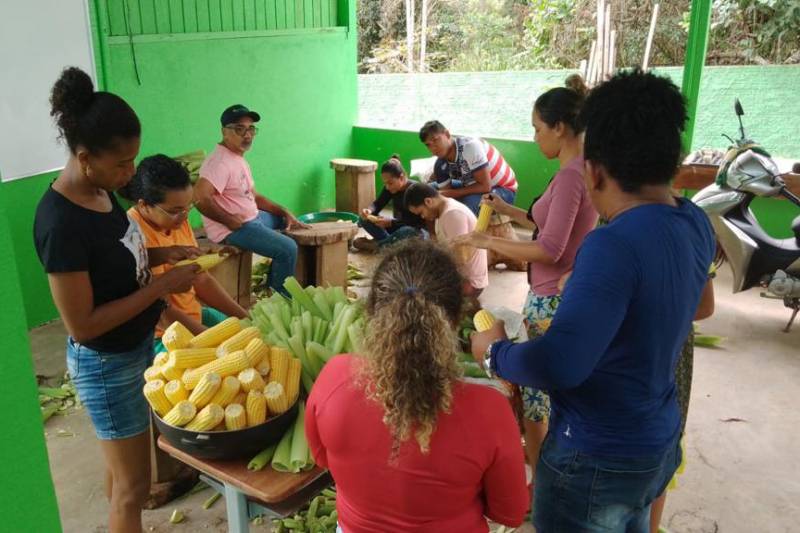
[{"x": 162, "y": 195}]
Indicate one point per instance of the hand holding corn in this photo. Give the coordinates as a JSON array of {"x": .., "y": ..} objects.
[{"x": 488, "y": 331}]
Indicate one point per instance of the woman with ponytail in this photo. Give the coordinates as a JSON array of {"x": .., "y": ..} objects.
[
  {"x": 411, "y": 446},
  {"x": 560, "y": 218},
  {"x": 98, "y": 267}
]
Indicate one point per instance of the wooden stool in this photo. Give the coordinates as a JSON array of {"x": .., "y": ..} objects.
[
  {"x": 234, "y": 273},
  {"x": 500, "y": 226},
  {"x": 355, "y": 184},
  {"x": 322, "y": 253}
]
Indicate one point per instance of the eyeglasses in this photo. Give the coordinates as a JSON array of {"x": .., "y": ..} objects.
[
  {"x": 177, "y": 215},
  {"x": 242, "y": 130}
]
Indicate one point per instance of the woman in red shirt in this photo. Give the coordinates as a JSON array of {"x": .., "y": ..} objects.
[{"x": 411, "y": 446}]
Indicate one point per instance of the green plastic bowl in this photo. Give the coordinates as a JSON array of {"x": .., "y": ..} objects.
[{"x": 328, "y": 216}]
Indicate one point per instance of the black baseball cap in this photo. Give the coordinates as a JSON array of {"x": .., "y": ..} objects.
[{"x": 237, "y": 111}]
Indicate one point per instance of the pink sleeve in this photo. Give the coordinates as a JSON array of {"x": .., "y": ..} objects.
[
  {"x": 215, "y": 172},
  {"x": 504, "y": 485},
  {"x": 567, "y": 193},
  {"x": 454, "y": 223}
]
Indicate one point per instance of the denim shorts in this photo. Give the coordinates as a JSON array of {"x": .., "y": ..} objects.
[
  {"x": 110, "y": 386},
  {"x": 577, "y": 492}
]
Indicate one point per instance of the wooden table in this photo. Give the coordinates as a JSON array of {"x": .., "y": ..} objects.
[
  {"x": 322, "y": 253},
  {"x": 250, "y": 494},
  {"x": 355, "y": 183}
]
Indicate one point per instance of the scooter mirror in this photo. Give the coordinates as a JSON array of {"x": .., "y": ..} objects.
[{"x": 738, "y": 107}]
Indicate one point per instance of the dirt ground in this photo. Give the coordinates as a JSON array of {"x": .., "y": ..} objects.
[{"x": 741, "y": 442}]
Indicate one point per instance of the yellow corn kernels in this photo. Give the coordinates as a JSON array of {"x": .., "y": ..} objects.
[
  {"x": 205, "y": 262},
  {"x": 176, "y": 337},
  {"x": 220, "y": 426},
  {"x": 275, "y": 396},
  {"x": 171, "y": 370},
  {"x": 230, "y": 365},
  {"x": 292, "y": 381},
  {"x": 154, "y": 372},
  {"x": 154, "y": 392},
  {"x": 207, "y": 419},
  {"x": 235, "y": 417},
  {"x": 227, "y": 391},
  {"x": 279, "y": 363},
  {"x": 192, "y": 357},
  {"x": 483, "y": 320},
  {"x": 216, "y": 335},
  {"x": 256, "y": 351},
  {"x": 263, "y": 368},
  {"x": 176, "y": 391},
  {"x": 206, "y": 388},
  {"x": 238, "y": 341},
  {"x": 161, "y": 359},
  {"x": 180, "y": 415},
  {"x": 251, "y": 380},
  {"x": 240, "y": 398},
  {"x": 256, "y": 408},
  {"x": 484, "y": 218}
]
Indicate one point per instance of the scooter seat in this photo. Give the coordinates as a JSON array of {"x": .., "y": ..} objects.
[{"x": 796, "y": 229}]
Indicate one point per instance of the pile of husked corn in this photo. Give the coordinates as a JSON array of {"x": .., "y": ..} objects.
[{"x": 226, "y": 378}]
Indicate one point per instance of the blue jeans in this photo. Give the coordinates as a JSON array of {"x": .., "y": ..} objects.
[
  {"x": 577, "y": 492},
  {"x": 259, "y": 236},
  {"x": 473, "y": 201},
  {"x": 397, "y": 232},
  {"x": 110, "y": 386}
]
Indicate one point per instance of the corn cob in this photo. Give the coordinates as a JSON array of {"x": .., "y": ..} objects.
[
  {"x": 180, "y": 415},
  {"x": 192, "y": 357},
  {"x": 484, "y": 217},
  {"x": 251, "y": 380},
  {"x": 276, "y": 398},
  {"x": 483, "y": 320},
  {"x": 256, "y": 351},
  {"x": 171, "y": 371},
  {"x": 161, "y": 359},
  {"x": 230, "y": 365},
  {"x": 227, "y": 391},
  {"x": 220, "y": 426},
  {"x": 154, "y": 392},
  {"x": 238, "y": 341},
  {"x": 206, "y": 388},
  {"x": 263, "y": 367},
  {"x": 235, "y": 417},
  {"x": 176, "y": 337},
  {"x": 188, "y": 378},
  {"x": 205, "y": 262},
  {"x": 279, "y": 363},
  {"x": 256, "y": 408},
  {"x": 176, "y": 392},
  {"x": 293, "y": 380},
  {"x": 214, "y": 336},
  {"x": 208, "y": 418},
  {"x": 152, "y": 373},
  {"x": 240, "y": 398}
]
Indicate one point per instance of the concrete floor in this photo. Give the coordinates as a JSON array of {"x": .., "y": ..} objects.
[{"x": 743, "y": 471}]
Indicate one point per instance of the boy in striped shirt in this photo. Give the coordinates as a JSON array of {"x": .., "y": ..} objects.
[{"x": 466, "y": 167}]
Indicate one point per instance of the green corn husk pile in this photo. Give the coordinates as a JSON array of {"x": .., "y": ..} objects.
[
  {"x": 56, "y": 400},
  {"x": 192, "y": 162},
  {"x": 258, "y": 277},
  {"x": 319, "y": 516}
]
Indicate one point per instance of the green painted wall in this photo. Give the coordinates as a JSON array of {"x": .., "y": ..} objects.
[
  {"x": 498, "y": 104},
  {"x": 27, "y": 488},
  {"x": 19, "y": 199},
  {"x": 532, "y": 169}
]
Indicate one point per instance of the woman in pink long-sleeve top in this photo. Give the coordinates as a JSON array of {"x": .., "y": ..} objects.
[
  {"x": 561, "y": 217},
  {"x": 413, "y": 448}
]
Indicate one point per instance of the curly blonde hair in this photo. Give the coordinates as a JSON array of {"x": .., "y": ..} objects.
[{"x": 414, "y": 305}]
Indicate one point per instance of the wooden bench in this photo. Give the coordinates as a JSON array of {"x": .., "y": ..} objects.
[{"x": 355, "y": 184}]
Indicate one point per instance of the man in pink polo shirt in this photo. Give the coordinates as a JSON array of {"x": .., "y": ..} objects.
[{"x": 233, "y": 212}]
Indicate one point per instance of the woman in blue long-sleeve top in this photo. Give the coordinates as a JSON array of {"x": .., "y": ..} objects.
[{"x": 609, "y": 357}]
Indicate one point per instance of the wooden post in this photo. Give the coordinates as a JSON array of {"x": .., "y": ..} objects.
[{"x": 650, "y": 34}]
